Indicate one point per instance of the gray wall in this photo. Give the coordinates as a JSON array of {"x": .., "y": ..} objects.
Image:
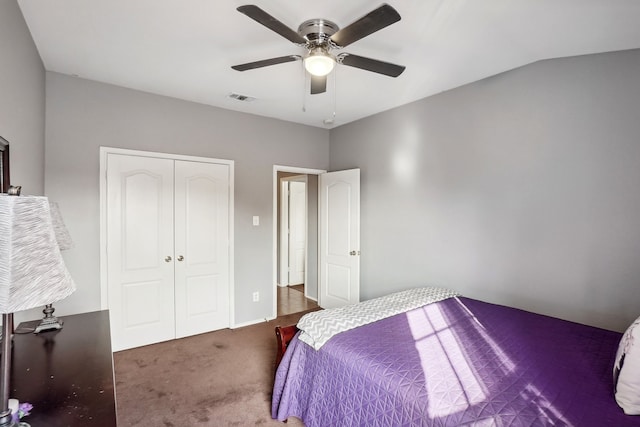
[
  {"x": 83, "y": 115},
  {"x": 22, "y": 114},
  {"x": 521, "y": 189},
  {"x": 22, "y": 92}
]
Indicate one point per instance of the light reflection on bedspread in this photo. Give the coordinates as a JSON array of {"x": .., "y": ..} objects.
[{"x": 458, "y": 362}]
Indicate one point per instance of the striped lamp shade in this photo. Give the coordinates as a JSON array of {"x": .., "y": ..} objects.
[
  {"x": 32, "y": 272},
  {"x": 62, "y": 234}
]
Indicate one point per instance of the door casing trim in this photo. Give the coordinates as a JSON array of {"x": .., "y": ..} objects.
[{"x": 276, "y": 169}]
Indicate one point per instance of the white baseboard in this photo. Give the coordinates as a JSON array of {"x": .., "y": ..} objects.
[{"x": 251, "y": 322}]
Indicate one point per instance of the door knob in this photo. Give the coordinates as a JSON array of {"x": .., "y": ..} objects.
[
  {"x": 167, "y": 259},
  {"x": 180, "y": 258},
  {"x": 352, "y": 253}
]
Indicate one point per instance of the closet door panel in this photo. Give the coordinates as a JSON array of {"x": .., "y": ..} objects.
[
  {"x": 140, "y": 237},
  {"x": 201, "y": 247}
]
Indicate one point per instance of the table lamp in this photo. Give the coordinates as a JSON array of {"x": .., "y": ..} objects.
[
  {"x": 49, "y": 321},
  {"x": 32, "y": 272}
]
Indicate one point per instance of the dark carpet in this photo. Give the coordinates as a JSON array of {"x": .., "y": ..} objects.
[{"x": 221, "y": 378}]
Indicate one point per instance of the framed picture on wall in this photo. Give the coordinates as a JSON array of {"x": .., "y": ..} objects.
[{"x": 4, "y": 164}]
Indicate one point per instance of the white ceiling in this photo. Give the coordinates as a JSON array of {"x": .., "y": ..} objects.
[{"x": 185, "y": 48}]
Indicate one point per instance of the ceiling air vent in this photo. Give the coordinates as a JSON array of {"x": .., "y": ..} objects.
[{"x": 243, "y": 98}]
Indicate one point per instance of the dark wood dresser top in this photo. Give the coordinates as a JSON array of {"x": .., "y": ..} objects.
[{"x": 67, "y": 375}]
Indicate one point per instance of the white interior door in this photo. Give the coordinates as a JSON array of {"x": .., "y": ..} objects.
[
  {"x": 297, "y": 231},
  {"x": 339, "y": 205},
  {"x": 201, "y": 247},
  {"x": 284, "y": 234},
  {"x": 140, "y": 250}
]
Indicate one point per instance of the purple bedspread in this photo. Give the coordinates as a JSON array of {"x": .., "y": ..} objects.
[{"x": 458, "y": 362}]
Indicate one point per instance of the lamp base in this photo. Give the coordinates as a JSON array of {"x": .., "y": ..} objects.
[
  {"x": 6, "y": 420},
  {"x": 49, "y": 322}
]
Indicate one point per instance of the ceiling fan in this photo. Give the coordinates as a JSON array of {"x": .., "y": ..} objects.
[{"x": 320, "y": 37}]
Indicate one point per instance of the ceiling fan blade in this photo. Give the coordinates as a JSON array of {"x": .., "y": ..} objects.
[
  {"x": 262, "y": 17},
  {"x": 266, "y": 62},
  {"x": 375, "y": 20},
  {"x": 380, "y": 67},
  {"x": 318, "y": 84}
]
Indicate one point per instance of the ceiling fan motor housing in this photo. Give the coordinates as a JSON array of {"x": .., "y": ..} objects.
[{"x": 318, "y": 33}]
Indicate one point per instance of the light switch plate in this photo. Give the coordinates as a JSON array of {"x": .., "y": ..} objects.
[{"x": 256, "y": 220}]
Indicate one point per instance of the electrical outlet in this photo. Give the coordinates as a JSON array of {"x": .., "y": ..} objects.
[{"x": 256, "y": 296}]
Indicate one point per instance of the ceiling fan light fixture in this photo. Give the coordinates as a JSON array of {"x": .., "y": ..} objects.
[{"x": 319, "y": 62}]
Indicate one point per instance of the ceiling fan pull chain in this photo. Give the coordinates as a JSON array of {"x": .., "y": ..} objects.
[
  {"x": 304, "y": 87},
  {"x": 335, "y": 94},
  {"x": 332, "y": 120}
]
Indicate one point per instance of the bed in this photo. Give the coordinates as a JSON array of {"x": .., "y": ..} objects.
[{"x": 454, "y": 362}]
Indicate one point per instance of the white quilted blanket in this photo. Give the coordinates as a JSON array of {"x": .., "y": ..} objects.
[{"x": 319, "y": 326}]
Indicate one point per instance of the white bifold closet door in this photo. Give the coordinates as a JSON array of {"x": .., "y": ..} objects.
[{"x": 167, "y": 248}]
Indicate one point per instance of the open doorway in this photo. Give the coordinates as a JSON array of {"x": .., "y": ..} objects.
[
  {"x": 295, "y": 239},
  {"x": 292, "y": 230}
]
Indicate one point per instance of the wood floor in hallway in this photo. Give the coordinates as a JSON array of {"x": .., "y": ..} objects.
[{"x": 291, "y": 299}]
